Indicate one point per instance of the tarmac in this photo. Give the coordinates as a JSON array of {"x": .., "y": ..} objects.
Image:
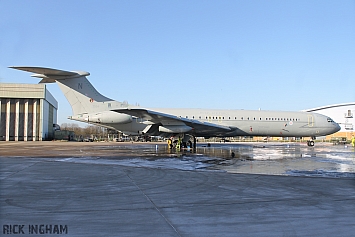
[{"x": 143, "y": 189}]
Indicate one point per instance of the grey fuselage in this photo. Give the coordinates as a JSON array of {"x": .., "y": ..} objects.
[{"x": 241, "y": 122}]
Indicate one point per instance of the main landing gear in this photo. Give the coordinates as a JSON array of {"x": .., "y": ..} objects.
[{"x": 183, "y": 141}]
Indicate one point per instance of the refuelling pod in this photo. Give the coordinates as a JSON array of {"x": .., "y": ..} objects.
[
  {"x": 110, "y": 117},
  {"x": 175, "y": 128}
]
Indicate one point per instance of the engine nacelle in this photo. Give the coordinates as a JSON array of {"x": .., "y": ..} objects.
[
  {"x": 110, "y": 117},
  {"x": 175, "y": 128}
]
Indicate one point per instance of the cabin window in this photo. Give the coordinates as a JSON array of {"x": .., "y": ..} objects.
[
  {"x": 260, "y": 119},
  {"x": 254, "y": 118}
]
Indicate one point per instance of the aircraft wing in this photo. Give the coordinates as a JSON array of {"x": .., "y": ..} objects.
[{"x": 155, "y": 117}]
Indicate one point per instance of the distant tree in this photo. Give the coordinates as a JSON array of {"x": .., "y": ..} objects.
[
  {"x": 71, "y": 127},
  {"x": 90, "y": 131}
]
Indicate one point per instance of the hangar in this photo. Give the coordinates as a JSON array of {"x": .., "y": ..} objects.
[{"x": 28, "y": 112}]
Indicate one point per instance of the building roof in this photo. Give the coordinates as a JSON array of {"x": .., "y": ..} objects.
[
  {"x": 27, "y": 91},
  {"x": 329, "y": 107}
]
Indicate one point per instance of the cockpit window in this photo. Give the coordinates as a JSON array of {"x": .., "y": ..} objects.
[{"x": 330, "y": 120}]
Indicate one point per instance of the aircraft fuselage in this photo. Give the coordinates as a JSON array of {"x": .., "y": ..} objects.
[{"x": 241, "y": 122}]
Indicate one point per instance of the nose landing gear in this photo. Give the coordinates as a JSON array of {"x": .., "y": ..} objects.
[{"x": 311, "y": 142}]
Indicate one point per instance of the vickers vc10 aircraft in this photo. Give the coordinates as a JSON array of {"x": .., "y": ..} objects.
[{"x": 90, "y": 106}]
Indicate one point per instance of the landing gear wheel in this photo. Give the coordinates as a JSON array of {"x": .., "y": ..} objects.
[{"x": 310, "y": 143}]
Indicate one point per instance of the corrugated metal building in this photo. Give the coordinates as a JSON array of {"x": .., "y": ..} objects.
[{"x": 28, "y": 112}]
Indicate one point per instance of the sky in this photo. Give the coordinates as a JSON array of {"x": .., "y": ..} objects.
[{"x": 272, "y": 55}]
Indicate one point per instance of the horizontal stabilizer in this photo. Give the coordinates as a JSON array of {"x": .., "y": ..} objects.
[{"x": 49, "y": 75}]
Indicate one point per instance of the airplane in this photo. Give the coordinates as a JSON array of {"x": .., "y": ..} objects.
[{"x": 89, "y": 106}]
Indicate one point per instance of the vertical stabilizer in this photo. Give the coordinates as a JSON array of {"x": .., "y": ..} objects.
[{"x": 82, "y": 96}]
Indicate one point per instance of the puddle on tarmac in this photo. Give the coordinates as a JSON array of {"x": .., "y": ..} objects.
[{"x": 293, "y": 159}]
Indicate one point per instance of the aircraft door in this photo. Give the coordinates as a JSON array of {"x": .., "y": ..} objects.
[{"x": 310, "y": 121}]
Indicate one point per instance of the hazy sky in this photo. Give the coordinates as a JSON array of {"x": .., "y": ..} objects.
[{"x": 273, "y": 55}]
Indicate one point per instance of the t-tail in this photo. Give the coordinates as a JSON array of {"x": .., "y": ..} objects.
[{"x": 82, "y": 96}]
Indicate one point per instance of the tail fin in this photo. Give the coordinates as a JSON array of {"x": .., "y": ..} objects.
[{"x": 80, "y": 93}]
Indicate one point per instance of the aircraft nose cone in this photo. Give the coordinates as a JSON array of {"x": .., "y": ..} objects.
[{"x": 337, "y": 128}]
